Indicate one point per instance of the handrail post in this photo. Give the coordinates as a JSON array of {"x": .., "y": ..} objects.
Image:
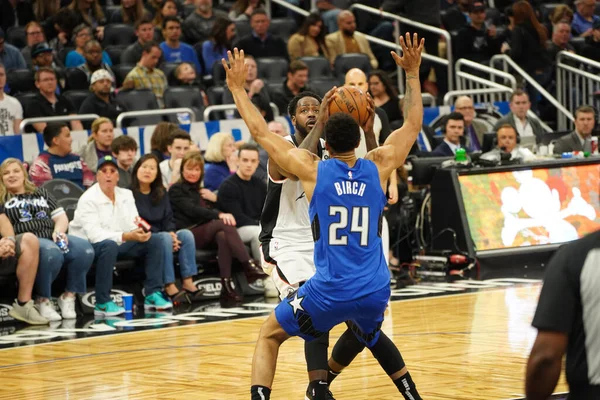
[{"x": 399, "y": 52}]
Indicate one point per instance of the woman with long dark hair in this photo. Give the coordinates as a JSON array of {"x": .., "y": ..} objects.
[
  {"x": 131, "y": 12},
  {"x": 210, "y": 225},
  {"x": 309, "y": 40},
  {"x": 90, "y": 12},
  {"x": 167, "y": 9},
  {"x": 152, "y": 202},
  {"x": 528, "y": 47},
  {"x": 243, "y": 9},
  {"x": 385, "y": 95},
  {"x": 221, "y": 37}
]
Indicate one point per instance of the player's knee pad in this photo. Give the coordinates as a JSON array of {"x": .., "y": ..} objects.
[
  {"x": 315, "y": 353},
  {"x": 346, "y": 348},
  {"x": 387, "y": 354}
]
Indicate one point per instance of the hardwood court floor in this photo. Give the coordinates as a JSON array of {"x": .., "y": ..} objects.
[{"x": 470, "y": 346}]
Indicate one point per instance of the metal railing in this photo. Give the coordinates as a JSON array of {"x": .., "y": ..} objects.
[
  {"x": 62, "y": 118},
  {"x": 485, "y": 95},
  {"x": 576, "y": 81},
  {"x": 146, "y": 113},
  {"x": 231, "y": 107},
  {"x": 508, "y": 62}
]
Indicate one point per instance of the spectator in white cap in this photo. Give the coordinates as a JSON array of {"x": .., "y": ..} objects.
[{"x": 101, "y": 101}]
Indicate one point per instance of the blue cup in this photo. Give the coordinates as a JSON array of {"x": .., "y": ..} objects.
[{"x": 127, "y": 302}]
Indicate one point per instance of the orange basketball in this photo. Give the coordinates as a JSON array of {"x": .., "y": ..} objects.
[{"x": 352, "y": 101}]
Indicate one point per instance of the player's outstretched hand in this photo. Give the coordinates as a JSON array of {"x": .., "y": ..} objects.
[
  {"x": 368, "y": 125},
  {"x": 236, "y": 70},
  {"x": 324, "y": 108},
  {"x": 411, "y": 53}
]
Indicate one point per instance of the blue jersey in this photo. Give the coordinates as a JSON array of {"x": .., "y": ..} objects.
[{"x": 346, "y": 212}]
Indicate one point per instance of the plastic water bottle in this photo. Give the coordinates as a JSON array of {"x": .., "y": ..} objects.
[
  {"x": 460, "y": 155},
  {"x": 62, "y": 243}
]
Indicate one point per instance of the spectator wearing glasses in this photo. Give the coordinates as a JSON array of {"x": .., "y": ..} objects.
[
  {"x": 81, "y": 35},
  {"x": 34, "y": 34},
  {"x": 474, "y": 130},
  {"x": 41, "y": 55},
  {"x": 584, "y": 18},
  {"x": 92, "y": 52},
  {"x": 10, "y": 56}
]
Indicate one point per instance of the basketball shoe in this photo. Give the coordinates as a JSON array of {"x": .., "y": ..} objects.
[{"x": 310, "y": 393}]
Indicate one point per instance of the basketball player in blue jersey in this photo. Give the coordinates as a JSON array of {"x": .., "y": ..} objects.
[{"x": 347, "y": 198}]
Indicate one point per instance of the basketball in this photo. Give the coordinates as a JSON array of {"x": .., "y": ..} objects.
[{"x": 352, "y": 101}]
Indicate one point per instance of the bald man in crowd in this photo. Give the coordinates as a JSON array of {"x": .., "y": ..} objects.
[
  {"x": 347, "y": 40},
  {"x": 474, "y": 130}
]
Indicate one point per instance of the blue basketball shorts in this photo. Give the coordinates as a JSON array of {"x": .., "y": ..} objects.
[{"x": 309, "y": 316}]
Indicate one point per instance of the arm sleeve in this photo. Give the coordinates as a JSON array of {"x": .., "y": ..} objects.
[
  {"x": 294, "y": 47},
  {"x": 230, "y": 201},
  {"x": 557, "y": 304},
  {"x": 39, "y": 172},
  {"x": 55, "y": 209},
  {"x": 18, "y": 110},
  {"x": 188, "y": 207}
]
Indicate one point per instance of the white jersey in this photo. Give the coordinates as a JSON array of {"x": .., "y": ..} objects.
[{"x": 284, "y": 220}]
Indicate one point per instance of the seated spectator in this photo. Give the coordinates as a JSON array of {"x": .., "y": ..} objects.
[
  {"x": 92, "y": 52},
  {"x": 506, "y": 138},
  {"x": 58, "y": 162},
  {"x": 210, "y": 225},
  {"x": 242, "y": 9},
  {"x": 75, "y": 58},
  {"x": 179, "y": 145},
  {"x": 579, "y": 139},
  {"x": 64, "y": 22},
  {"x": 309, "y": 41},
  {"x": 173, "y": 49},
  {"x": 10, "y": 56},
  {"x": 124, "y": 149},
  {"x": 41, "y": 55},
  {"x": 221, "y": 160},
  {"x": 34, "y": 34},
  {"x": 584, "y": 18},
  {"x": 215, "y": 48},
  {"x": 89, "y": 12},
  {"x": 330, "y": 13},
  {"x": 385, "y": 95},
  {"x": 185, "y": 75},
  {"x": 99, "y": 143},
  {"x": 32, "y": 209},
  {"x": 198, "y": 25},
  {"x": 517, "y": 117},
  {"x": 144, "y": 30},
  {"x": 260, "y": 43},
  {"x": 132, "y": 11},
  {"x": 562, "y": 13},
  {"x": 561, "y": 34},
  {"x": 476, "y": 41},
  {"x": 243, "y": 196},
  {"x": 254, "y": 86},
  {"x": 454, "y": 130},
  {"x": 154, "y": 206},
  {"x": 168, "y": 8},
  {"x": 11, "y": 111},
  {"x": 297, "y": 77},
  {"x": 159, "y": 142},
  {"x": 47, "y": 103},
  {"x": 46, "y": 9},
  {"x": 19, "y": 255},
  {"x": 591, "y": 48},
  {"x": 348, "y": 40},
  {"x": 102, "y": 100},
  {"x": 146, "y": 76},
  {"x": 458, "y": 16},
  {"x": 15, "y": 13},
  {"x": 474, "y": 130},
  {"x": 105, "y": 217}
]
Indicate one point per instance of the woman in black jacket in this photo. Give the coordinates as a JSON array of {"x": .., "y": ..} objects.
[
  {"x": 209, "y": 225},
  {"x": 528, "y": 47}
]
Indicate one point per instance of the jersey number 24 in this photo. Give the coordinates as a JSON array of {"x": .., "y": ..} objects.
[{"x": 358, "y": 224}]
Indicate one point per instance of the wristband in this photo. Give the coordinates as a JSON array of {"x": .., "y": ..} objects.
[{"x": 12, "y": 239}]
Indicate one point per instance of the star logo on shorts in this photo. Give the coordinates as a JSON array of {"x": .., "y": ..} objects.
[{"x": 296, "y": 303}]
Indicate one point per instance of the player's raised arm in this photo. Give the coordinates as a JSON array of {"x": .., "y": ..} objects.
[
  {"x": 280, "y": 150},
  {"x": 397, "y": 146}
]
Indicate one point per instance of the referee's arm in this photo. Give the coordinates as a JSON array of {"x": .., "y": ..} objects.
[{"x": 544, "y": 364}]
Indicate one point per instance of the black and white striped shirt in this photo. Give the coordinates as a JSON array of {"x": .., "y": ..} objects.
[{"x": 32, "y": 212}]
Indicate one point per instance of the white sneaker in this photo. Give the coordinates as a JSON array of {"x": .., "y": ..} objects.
[
  {"x": 27, "y": 313},
  {"x": 67, "y": 307},
  {"x": 270, "y": 289},
  {"x": 47, "y": 310}
]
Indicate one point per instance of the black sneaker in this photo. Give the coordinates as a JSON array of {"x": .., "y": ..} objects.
[{"x": 310, "y": 396}]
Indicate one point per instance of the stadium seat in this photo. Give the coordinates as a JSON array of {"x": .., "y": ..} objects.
[
  {"x": 283, "y": 27},
  {"x": 114, "y": 52},
  {"x": 322, "y": 86},
  {"x": 546, "y": 10},
  {"x": 62, "y": 53},
  {"x": 121, "y": 72},
  {"x": 118, "y": 35},
  {"x": 318, "y": 67},
  {"x": 62, "y": 189},
  {"x": 16, "y": 36},
  {"x": 577, "y": 42},
  {"x": 188, "y": 9},
  {"x": 25, "y": 97},
  {"x": 76, "y": 97},
  {"x": 242, "y": 28},
  {"x": 185, "y": 96},
  {"x": 139, "y": 100},
  {"x": 215, "y": 95},
  {"x": 76, "y": 79},
  {"x": 218, "y": 74},
  {"x": 21, "y": 80},
  {"x": 110, "y": 10},
  {"x": 345, "y": 62},
  {"x": 273, "y": 69},
  {"x": 168, "y": 68}
]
